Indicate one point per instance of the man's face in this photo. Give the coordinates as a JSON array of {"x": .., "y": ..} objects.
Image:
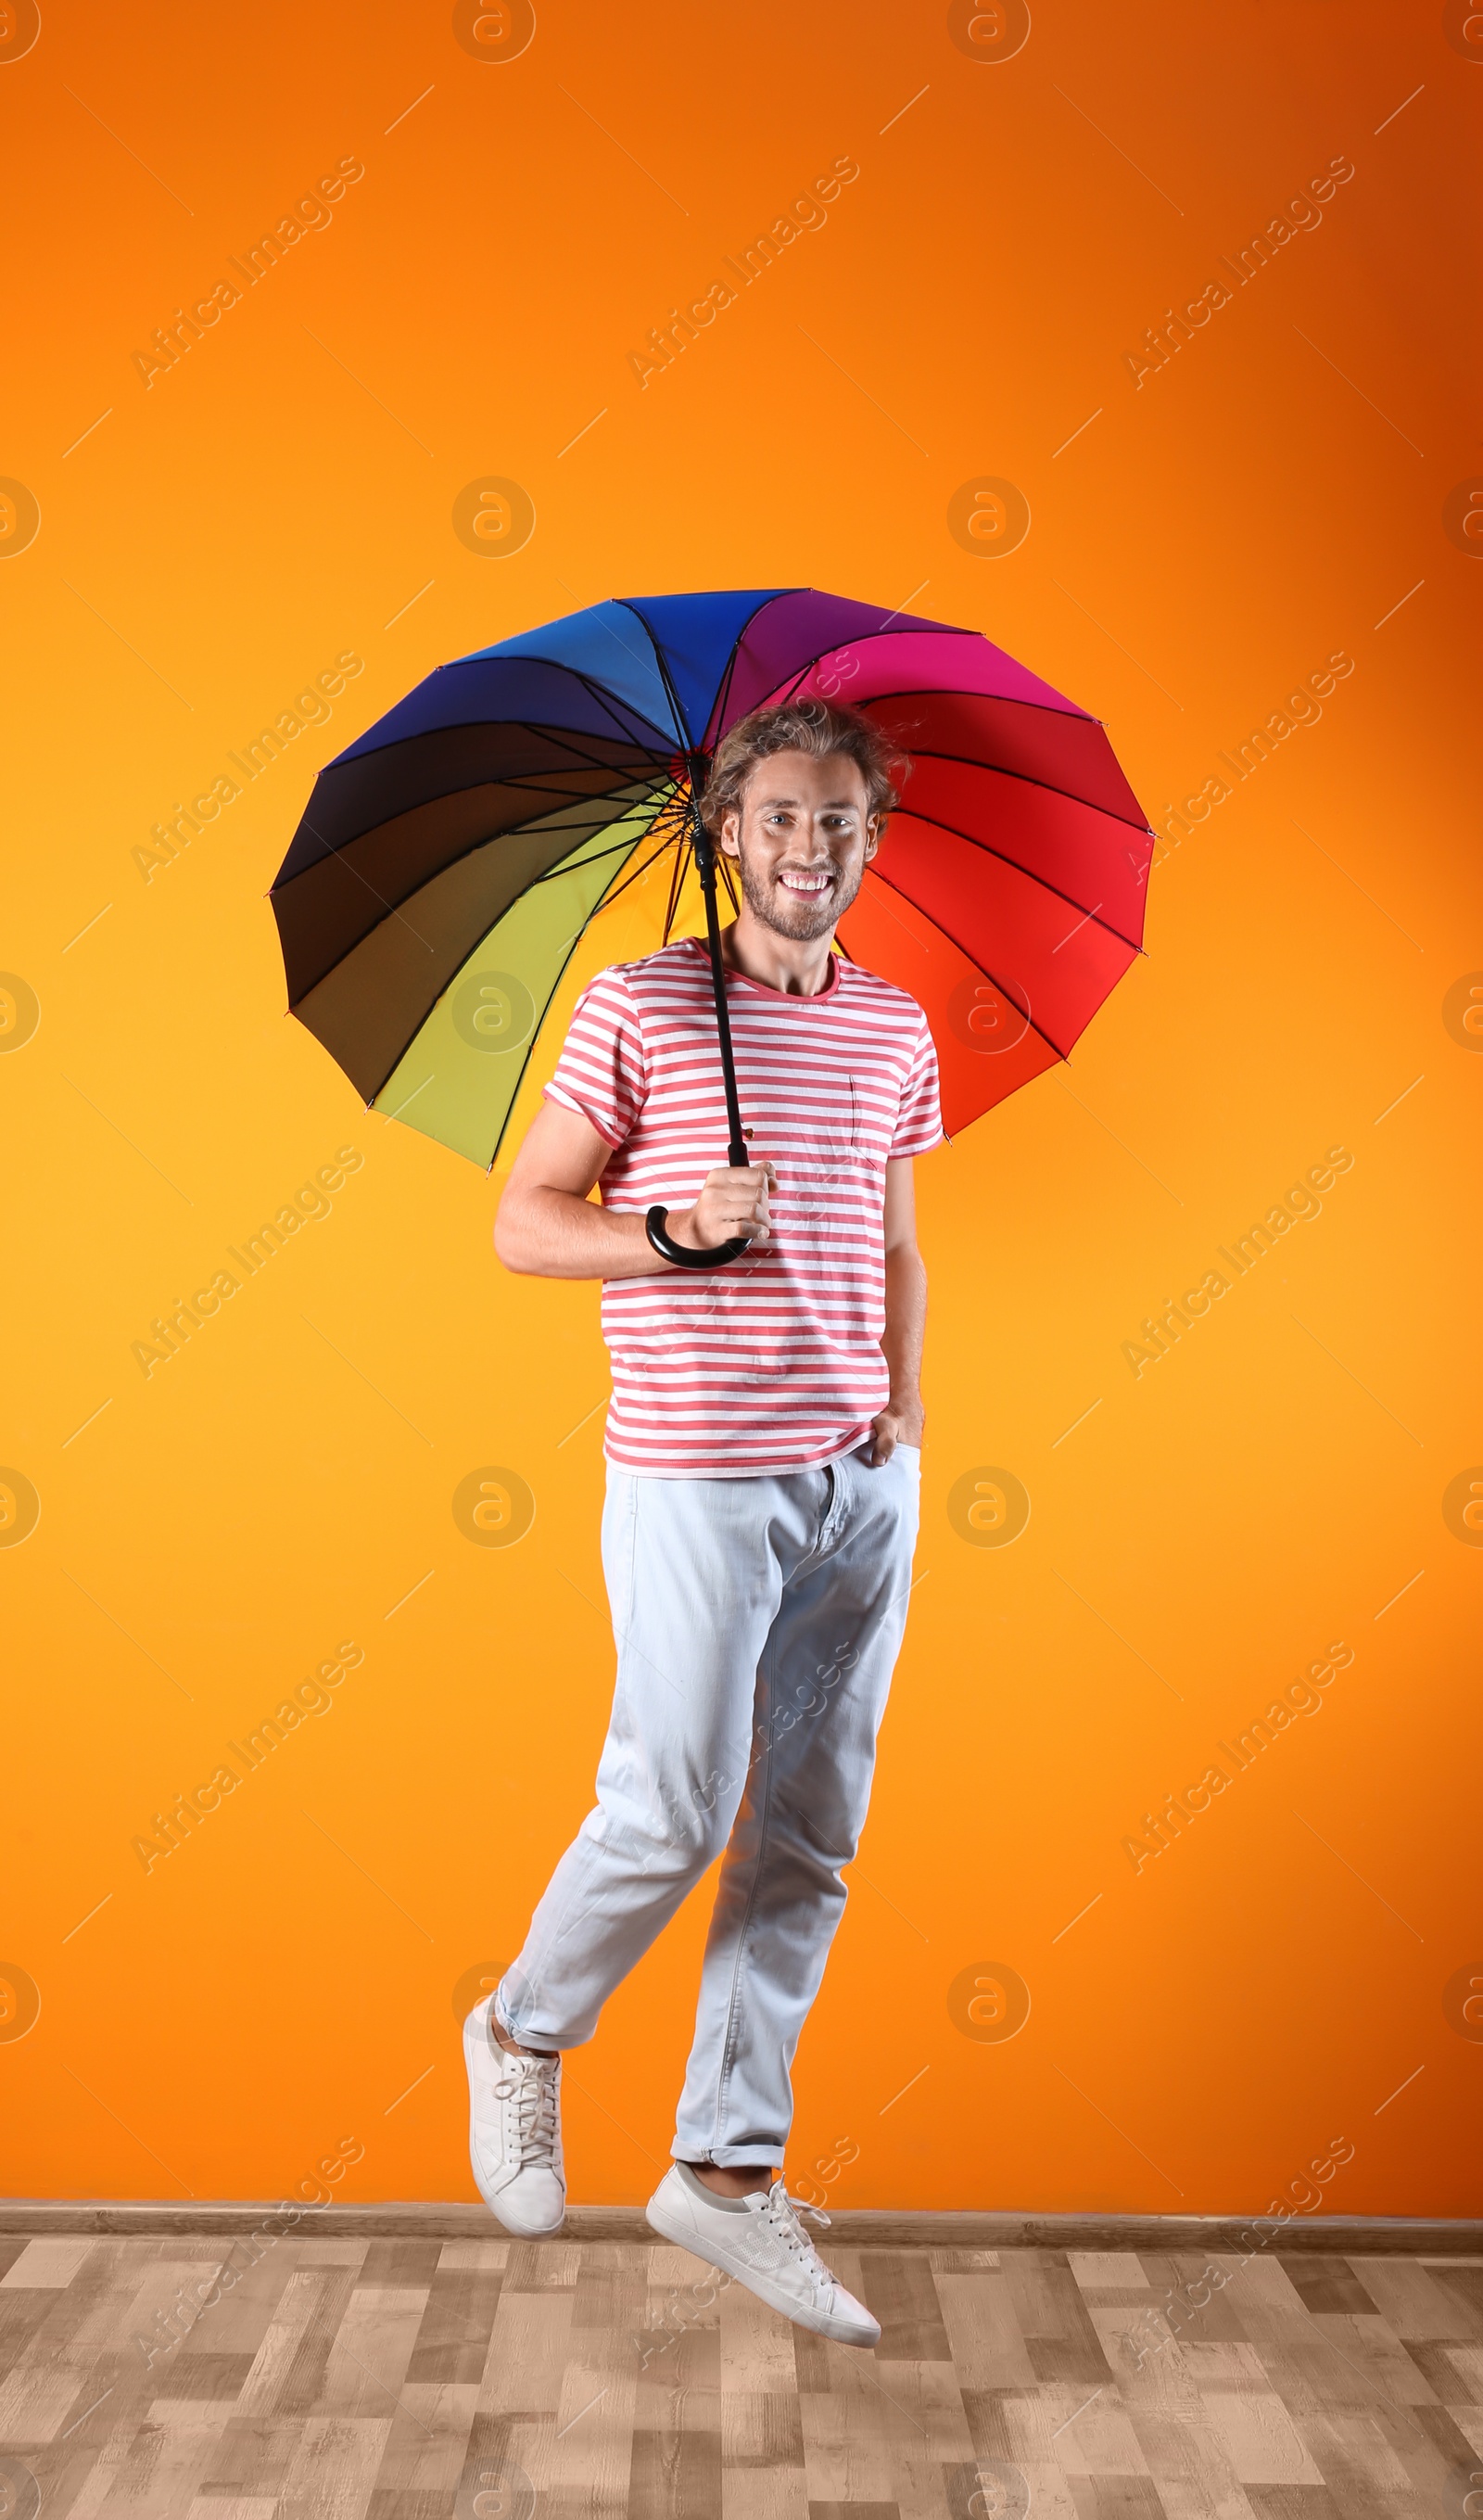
[{"x": 803, "y": 839}]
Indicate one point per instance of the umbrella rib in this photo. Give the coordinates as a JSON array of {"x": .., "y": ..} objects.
[
  {"x": 611, "y": 896},
  {"x": 718, "y": 704},
  {"x": 944, "y": 630},
  {"x": 1001, "y": 770},
  {"x": 676, "y": 886},
  {"x": 597, "y": 690},
  {"x": 934, "y": 691},
  {"x": 539, "y": 1027},
  {"x": 518, "y": 829},
  {"x": 592, "y": 689},
  {"x": 467, "y": 956},
  {"x": 337, "y": 850},
  {"x": 619, "y": 848},
  {"x": 989, "y": 851},
  {"x": 940, "y": 691},
  {"x": 516, "y": 779},
  {"x": 486, "y": 839},
  {"x": 1002, "y": 985},
  {"x": 683, "y": 735},
  {"x": 618, "y": 600}
]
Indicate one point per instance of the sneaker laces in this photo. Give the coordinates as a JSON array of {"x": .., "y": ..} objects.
[
  {"x": 530, "y": 2093},
  {"x": 781, "y": 2212}
]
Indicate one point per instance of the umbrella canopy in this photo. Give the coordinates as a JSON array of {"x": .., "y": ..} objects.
[{"x": 449, "y": 862}]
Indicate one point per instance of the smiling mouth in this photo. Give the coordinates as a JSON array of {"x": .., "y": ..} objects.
[{"x": 807, "y": 883}]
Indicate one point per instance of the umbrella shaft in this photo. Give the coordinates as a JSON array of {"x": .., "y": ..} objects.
[{"x": 705, "y": 868}]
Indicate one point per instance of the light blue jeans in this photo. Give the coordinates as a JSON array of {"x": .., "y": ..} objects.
[{"x": 757, "y": 1623}]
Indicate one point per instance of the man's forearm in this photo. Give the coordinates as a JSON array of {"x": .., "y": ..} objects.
[
  {"x": 904, "y": 1330},
  {"x": 554, "y": 1234}
]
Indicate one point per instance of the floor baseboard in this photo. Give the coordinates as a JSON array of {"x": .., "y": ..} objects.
[{"x": 1228, "y": 2234}]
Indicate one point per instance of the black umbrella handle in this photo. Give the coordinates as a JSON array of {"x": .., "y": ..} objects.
[{"x": 721, "y": 1254}]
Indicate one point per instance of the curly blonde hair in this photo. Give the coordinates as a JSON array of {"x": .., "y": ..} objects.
[{"x": 811, "y": 726}]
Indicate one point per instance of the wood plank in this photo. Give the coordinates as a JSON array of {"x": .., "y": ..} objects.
[
  {"x": 1088, "y": 2434},
  {"x": 115, "y": 2385},
  {"x": 249, "y": 2292},
  {"x": 1263, "y": 2301},
  {"x": 1462, "y": 2285},
  {"x": 1468, "y": 2361},
  {"x": 1199, "y": 2296},
  {"x": 1405, "y": 2293},
  {"x": 428, "y": 2447},
  {"x": 253, "y": 2456},
  {"x": 527, "y": 2354},
  {"x": 1362, "y": 2470},
  {"x": 1292, "y": 2502},
  {"x": 300, "y": 2301},
  {"x": 1327, "y": 2284},
  {"x": 1190, "y": 2468},
  {"x": 927, "y": 2426},
  {"x": 231, "y": 2506},
  {"x": 333, "y": 2470},
  {"x": 1260, "y": 2438},
  {"x": 1438, "y": 2368},
  {"x": 1433, "y": 2449},
  {"x": 675, "y": 2471},
  {"x": 763, "y": 2466},
  {"x": 591, "y": 2457},
  {"x": 45, "y": 2266},
  {"x": 52, "y": 2378},
  {"x": 1095, "y": 2269},
  {"x": 370, "y": 2351},
  {"x": 165, "y": 2461},
  {"x": 401, "y": 2265},
  {"x": 480, "y": 2255},
  {"x": 1161, "y": 2384},
  {"x": 542, "y": 2265},
  {"x": 1373, "y": 2346},
  {"x": 988, "y": 2346},
  {"x": 453, "y": 2339},
  {"x": 900, "y": 2291},
  {"x": 1118, "y": 2498}
]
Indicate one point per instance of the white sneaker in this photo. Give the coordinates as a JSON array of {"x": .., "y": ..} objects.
[
  {"x": 765, "y": 2247},
  {"x": 514, "y": 2129}
]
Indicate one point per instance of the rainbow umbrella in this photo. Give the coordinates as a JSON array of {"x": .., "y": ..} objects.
[{"x": 449, "y": 862}]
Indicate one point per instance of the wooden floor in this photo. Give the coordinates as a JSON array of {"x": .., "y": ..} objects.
[{"x": 410, "y": 2379}]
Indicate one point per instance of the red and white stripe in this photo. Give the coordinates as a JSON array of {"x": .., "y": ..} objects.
[{"x": 774, "y": 1363}]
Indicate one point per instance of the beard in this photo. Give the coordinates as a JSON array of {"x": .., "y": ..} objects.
[{"x": 800, "y": 915}]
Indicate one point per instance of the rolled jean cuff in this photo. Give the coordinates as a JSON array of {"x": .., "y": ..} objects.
[
  {"x": 734, "y": 2156},
  {"x": 527, "y": 2038}
]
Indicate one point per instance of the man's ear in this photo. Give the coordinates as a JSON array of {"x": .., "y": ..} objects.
[
  {"x": 730, "y": 826},
  {"x": 873, "y": 830}
]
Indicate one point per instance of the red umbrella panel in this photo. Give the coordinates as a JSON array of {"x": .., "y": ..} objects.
[{"x": 1008, "y": 892}]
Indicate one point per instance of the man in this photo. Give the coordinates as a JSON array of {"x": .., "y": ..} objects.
[{"x": 764, "y": 1457}]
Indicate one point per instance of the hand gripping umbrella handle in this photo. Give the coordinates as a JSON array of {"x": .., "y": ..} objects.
[{"x": 721, "y": 1254}]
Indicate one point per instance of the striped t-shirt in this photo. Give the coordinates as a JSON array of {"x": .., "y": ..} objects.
[{"x": 774, "y": 1363}]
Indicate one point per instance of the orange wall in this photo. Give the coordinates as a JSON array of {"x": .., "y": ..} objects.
[{"x": 1199, "y": 542}]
